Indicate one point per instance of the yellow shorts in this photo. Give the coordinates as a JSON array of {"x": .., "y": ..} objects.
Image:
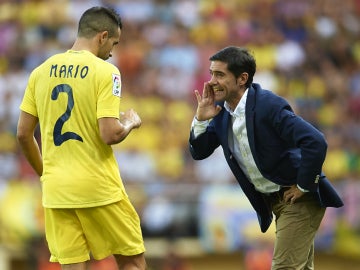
[{"x": 72, "y": 234}]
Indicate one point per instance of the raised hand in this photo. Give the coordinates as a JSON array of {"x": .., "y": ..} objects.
[
  {"x": 130, "y": 117},
  {"x": 206, "y": 108}
]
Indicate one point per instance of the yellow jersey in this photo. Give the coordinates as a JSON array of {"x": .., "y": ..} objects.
[{"x": 68, "y": 93}]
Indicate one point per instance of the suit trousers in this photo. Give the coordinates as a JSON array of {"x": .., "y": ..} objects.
[{"x": 296, "y": 226}]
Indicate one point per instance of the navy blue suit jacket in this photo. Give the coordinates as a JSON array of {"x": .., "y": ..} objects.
[{"x": 287, "y": 150}]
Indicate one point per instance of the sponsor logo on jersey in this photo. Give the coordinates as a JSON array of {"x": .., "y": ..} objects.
[{"x": 116, "y": 85}]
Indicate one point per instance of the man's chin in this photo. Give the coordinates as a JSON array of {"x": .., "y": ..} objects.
[
  {"x": 104, "y": 57},
  {"x": 219, "y": 97}
]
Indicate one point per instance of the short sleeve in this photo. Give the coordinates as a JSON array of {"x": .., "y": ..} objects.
[
  {"x": 109, "y": 93},
  {"x": 28, "y": 103}
]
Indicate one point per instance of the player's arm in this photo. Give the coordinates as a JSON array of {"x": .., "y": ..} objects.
[
  {"x": 25, "y": 136},
  {"x": 113, "y": 130}
]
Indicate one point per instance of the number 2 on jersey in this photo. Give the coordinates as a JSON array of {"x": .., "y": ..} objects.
[{"x": 59, "y": 137}]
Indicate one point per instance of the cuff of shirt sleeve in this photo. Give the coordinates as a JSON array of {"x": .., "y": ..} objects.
[
  {"x": 199, "y": 127},
  {"x": 198, "y": 122},
  {"x": 303, "y": 190}
]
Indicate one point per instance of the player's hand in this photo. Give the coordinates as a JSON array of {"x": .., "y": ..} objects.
[
  {"x": 292, "y": 194},
  {"x": 206, "y": 108},
  {"x": 130, "y": 117}
]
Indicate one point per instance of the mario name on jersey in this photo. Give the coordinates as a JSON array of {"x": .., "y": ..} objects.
[{"x": 69, "y": 71}]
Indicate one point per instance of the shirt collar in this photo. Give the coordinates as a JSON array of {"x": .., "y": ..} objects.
[{"x": 240, "y": 107}]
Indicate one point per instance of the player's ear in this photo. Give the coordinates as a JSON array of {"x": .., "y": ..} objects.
[{"x": 103, "y": 37}]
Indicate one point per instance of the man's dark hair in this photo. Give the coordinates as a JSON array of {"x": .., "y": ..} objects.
[
  {"x": 238, "y": 60},
  {"x": 98, "y": 19}
]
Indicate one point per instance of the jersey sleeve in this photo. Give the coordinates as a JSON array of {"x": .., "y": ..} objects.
[
  {"x": 28, "y": 103},
  {"x": 109, "y": 93}
]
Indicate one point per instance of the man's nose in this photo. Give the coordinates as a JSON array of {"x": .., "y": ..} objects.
[{"x": 212, "y": 80}]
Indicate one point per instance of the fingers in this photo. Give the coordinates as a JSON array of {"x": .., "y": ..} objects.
[
  {"x": 209, "y": 91},
  {"x": 197, "y": 94},
  {"x": 290, "y": 198},
  {"x": 131, "y": 116},
  {"x": 289, "y": 194},
  {"x": 206, "y": 93},
  {"x": 206, "y": 90},
  {"x": 137, "y": 123},
  {"x": 136, "y": 120},
  {"x": 287, "y": 197},
  {"x": 292, "y": 194}
]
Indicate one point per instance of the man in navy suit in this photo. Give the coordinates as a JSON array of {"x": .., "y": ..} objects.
[{"x": 274, "y": 154}]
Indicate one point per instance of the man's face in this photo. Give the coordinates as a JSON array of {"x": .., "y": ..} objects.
[
  {"x": 105, "y": 51},
  {"x": 224, "y": 84}
]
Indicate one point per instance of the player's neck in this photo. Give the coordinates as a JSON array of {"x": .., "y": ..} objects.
[{"x": 81, "y": 44}]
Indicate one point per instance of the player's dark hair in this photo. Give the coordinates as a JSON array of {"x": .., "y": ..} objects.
[
  {"x": 238, "y": 60},
  {"x": 98, "y": 19}
]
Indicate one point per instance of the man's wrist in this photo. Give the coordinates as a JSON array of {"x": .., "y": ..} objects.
[{"x": 200, "y": 121}]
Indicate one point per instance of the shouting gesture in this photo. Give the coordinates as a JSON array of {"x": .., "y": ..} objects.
[{"x": 207, "y": 108}]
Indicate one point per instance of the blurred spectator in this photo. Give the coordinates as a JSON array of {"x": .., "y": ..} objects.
[{"x": 307, "y": 51}]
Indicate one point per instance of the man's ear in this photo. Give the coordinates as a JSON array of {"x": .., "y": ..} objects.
[
  {"x": 103, "y": 37},
  {"x": 242, "y": 79}
]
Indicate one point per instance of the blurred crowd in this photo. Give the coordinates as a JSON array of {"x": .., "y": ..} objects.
[{"x": 306, "y": 50}]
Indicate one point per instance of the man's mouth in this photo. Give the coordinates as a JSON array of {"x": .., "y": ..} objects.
[{"x": 217, "y": 89}]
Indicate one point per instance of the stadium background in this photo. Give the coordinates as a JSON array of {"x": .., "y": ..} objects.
[{"x": 194, "y": 214}]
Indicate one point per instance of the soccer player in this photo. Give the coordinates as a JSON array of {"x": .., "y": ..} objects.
[{"x": 75, "y": 97}]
